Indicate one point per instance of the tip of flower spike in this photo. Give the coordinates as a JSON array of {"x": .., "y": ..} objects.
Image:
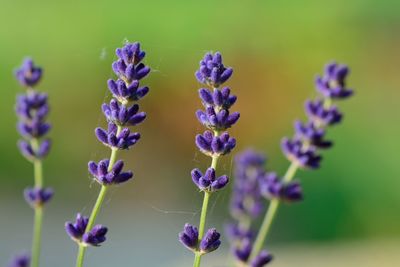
[
  {"x": 28, "y": 74},
  {"x": 212, "y": 71},
  {"x": 333, "y": 83}
]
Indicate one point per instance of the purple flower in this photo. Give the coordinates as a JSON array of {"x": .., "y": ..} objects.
[
  {"x": 96, "y": 236},
  {"x": 114, "y": 139},
  {"x": 130, "y": 72},
  {"x": 106, "y": 177},
  {"x": 263, "y": 258},
  {"x": 209, "y": 182},
  {"x": 212, "y": 71},
  {"x": 28, "y": 74},
  {"x": 219, "y": 98},
  {"x": 77, "y": 231},
  {"x": 125, "y": 93},
  {"x": 130, "y": 53},
  {"x": 303, "y": 156},
  {"x": 235, "y": 232},
  {"x": 333, "y": 84},
  {"x": 32, "y": 153},
  {"x": 121, "y": 115},
  {"x": 212, "y": 145},
  {"x": 242, "y": 249},
  {"x": 218, "y": 120},
  {"x": 210, "y": 241},
  {"x": 34, "y": 129},
  {"x": 32, "y": 106},
  {"x": 321, "y": 115},
  {"x": 311, "y": 135},
  {"x": 32, "y": 109},
  {"x": 249, "y": 159},
  {"x": 38, "y": 196},
  {"x": 189, "y": 237},
  {"x": 246, "y": 199},
  {"x": 21, "y": 260},
  {"x": 271, "y": 186}
]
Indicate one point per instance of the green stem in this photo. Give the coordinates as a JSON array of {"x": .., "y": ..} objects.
[
  {"x": 37, "y": 232},
  {"x": 97, "y": 206},
  {"x": 203, "y": 216},
  {"x": 38, "y": 210},
  {"x": 270, "y": 215}
]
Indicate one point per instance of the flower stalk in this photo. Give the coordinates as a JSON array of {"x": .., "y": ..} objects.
[
  {"x": 214, "y": 143},
  {"x": 32, "y": 110},
  {"x": 121, "y": 113}
]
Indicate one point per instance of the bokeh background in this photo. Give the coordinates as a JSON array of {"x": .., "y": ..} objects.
[{"x": 351, "y": 213}]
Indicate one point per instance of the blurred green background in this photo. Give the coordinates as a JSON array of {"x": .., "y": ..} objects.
[{"x": 351, "y": 212}]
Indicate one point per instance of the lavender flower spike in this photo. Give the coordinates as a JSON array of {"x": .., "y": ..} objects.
[
  {"x": 120, "y": 113},
  {"x": 214, "y": 143},
  {"x": 32, "y": 109},
  {"x": 303, "y": 150}
]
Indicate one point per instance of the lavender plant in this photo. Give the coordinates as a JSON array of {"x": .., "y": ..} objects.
[
  {"x": 214, "y": 143},
  {"x": 246, "y": 206},
  {"x": 32, "y": 110},
  {"x": 121, "y": 113},
  {"x": 303, "y": 151}
]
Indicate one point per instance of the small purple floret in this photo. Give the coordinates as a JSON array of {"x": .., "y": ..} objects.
[
  {"x": 219, "y": 98},
  {"x": 210, "y": 241},
  {"x": 114, "y": 176},
  {"x": 262, "y": 259},
  {"x": 122, "y": 140},
  {"x": 21, "y": 260},
  {"x": 38, "y": 196},
  {"x": 212, "y": 71},
  {"x": 28, "y": 74},
  {"x": 321, "y": 115},
  {"x": 333, "y": 84},
  {"x": 122, "y": 115},
  {"x": 212, "y": 145},
  {"x": 242, "y": 249},
  {"x": 96, "y": 236},
  {"x": 311, "y": 135},
  {"x": 77, "y": 231},
  {"x": 303, "y": 156},
  {"x": 189, "y": 237},
  {"x": 126, "y": 93},
  {"x": 271, "y": 186},
  {"x": 209, "y": 182},
  {"x": 218, "y": 120}
]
